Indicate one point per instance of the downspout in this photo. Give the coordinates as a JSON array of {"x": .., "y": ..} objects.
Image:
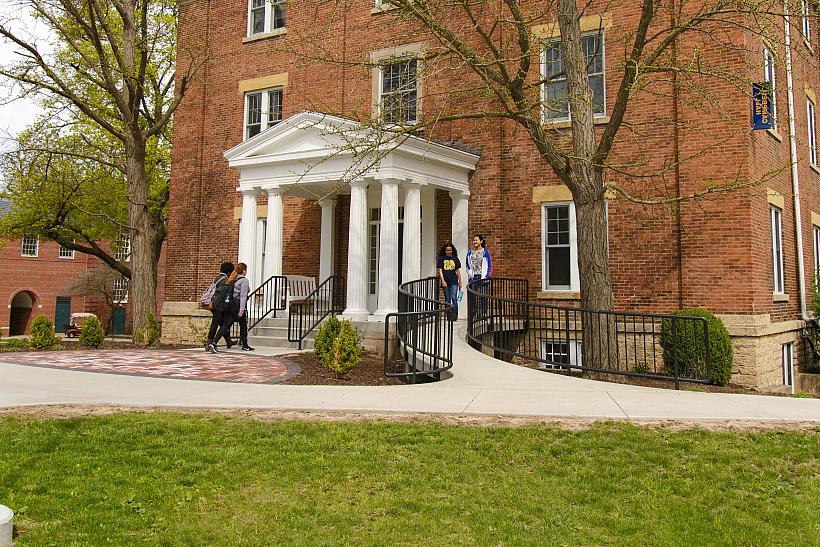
[{"x": 801, "y": 274}]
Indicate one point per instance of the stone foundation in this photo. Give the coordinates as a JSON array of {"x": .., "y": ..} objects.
[{"x": 184, "y": 323}]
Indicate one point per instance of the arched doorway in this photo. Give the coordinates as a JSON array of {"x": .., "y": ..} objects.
[{"x": 21, "y": 306}]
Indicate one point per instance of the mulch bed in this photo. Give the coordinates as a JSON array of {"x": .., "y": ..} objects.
[
  {"x": 369, "y": 373},
  {"x": 107, "y": 344}
]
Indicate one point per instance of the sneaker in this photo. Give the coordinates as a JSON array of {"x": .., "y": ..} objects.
[
  {"x": 246, "y": 347},
  {"x": 211, "y": 348}
]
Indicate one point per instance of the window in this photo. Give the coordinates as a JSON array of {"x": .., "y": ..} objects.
[
  {"x": 65, "y": 252},
  {"x": 120, "y": 290},
  {"x": 560, "y": 268},
  {"x": 560, "y": 352},
  {"x": 768, "y": 77},
  {"x": 29, "y": 246},
  {"x": 777, "y": 251},
  {"x": 816, "y": 234},
  {"x": 373, "y": 236},
  {"x": 263, "y": 109},
  {"x": 786, "y": 360},
  {"x": 398, "y": 99},
  {"x": 804, "y": 13},
  {"x": 265, "y": 16},
  {"x": 123, "y": 248},
  {"x": 812, "y": 132},
  {"x": 554, "y": 91}
]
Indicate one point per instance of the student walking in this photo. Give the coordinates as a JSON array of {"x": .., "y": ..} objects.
[
  {"x": 479, "y": 266},
  {"x": 449, "y": 274},
  {"x": 241, "y": 288},
  {"x": 221, "y": 307}
]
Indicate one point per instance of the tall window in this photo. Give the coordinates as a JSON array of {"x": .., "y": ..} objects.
[
  {"x": 554, "y": 91},
  {"x": 398, "y": 99},
  {"x": 123, "y": 248},
  {"x": 120, "y": 290},
  {"x": 777, "y": 252},
  {"x": 768, "y": 76},
  {"x": 265, "y": 16},
  {"x": 786, "y": 360},
  {"x": 263, "y": 109},
  {"x": 373, "y": 236},
  {"x": 812, "y": 132},
  {"x": 65, "y": 252},
  {"x": 804, "y": 12},
  {"x": 816, "y": 234},
  {"x": 29, "y": 246},
  {"x": 560, "y": 268}
]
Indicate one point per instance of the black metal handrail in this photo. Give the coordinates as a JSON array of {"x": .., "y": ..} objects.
[
  {"x": 307, "y": 314},
  {"x": 269, "y": 297},
  {"x": 424, "y": 333},
  {"x": 500, "y": 316}
]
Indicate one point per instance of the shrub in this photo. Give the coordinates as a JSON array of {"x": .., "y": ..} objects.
[
  {"x": 690, "y": 350},
  {"x": 42, "y": 334},
  {"x": 151, "y": 333},
  {"x": 814, "y": 305},
  {"x": 15, "y": 344},
  {"x": 323, "y": 342},
  {"x": 346, "y": 353},
  {"x": 91, "y": 333}
]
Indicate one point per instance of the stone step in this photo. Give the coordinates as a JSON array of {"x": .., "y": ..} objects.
[{"x": 278, "y": 342}]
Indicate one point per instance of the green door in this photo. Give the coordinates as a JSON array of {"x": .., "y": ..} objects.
[
  {"x": 118, "y": 323},
  {"x": 62, "y": 313}
]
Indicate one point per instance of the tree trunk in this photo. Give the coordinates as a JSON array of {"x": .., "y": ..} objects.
[{"x": 143, "y": 288}]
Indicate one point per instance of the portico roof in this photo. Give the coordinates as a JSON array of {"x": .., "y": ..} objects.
[{"x": 311, "y": 148}]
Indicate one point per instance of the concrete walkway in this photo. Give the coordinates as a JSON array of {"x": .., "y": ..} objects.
[{"x": 479, "y": 385}]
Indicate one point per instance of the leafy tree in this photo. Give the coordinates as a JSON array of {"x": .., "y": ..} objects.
[
  {"x": 112, "y": 69},
  {"x": 98, "y": 284}
]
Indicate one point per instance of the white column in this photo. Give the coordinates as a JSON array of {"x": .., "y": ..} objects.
[
  {"x": 461, "y": 218},
  {"x": 357, "y": 253},
  {"x": 326, "y": 251},
  {"x": 247, "y": 235},
  {"x": 274, "y": 233},
  {"x": 412, "y": 232},
  {"x": 389, "y": 249}
]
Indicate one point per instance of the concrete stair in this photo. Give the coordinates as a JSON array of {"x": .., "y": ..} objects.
[{"x": 272, "y": 332}]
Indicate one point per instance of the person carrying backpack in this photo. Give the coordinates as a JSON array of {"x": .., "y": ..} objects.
[{"x": 221, "y": 291}]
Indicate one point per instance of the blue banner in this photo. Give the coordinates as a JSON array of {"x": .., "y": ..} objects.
[{"x": 761, "y": 105}]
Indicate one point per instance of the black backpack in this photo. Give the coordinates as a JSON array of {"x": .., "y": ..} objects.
[{"x": 223, "y": 295}]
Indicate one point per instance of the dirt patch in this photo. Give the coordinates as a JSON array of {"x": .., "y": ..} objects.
[
  {"x": 369, "y": 373},
  {"x": 42, "y": 412}
]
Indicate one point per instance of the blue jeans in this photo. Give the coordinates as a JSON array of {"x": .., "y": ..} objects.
[
  {"x": 482, "y": 300},
  {"x": 451, "y": 297}
]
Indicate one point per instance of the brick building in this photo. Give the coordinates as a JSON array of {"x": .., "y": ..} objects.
[
  {"x": 34, "y": 278},
  {"x": 258, "y": 156}
]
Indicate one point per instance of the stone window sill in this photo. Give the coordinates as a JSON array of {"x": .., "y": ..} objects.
[
  {"x": 814, "y": 168},
  {"x": 778, "y": 297},
  {"x": 808, "y": 45},
  {"x": 597, "y": 120},
  {"x": 382, "y": 9},
  {"x": 263, "y": 36},
  {"x": 558, "y": 295},
  {"x": 775, "y": 135}
]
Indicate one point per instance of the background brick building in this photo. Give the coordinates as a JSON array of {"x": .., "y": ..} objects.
[{"x": 715, "y": 253}]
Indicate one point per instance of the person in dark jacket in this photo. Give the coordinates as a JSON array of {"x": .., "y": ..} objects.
[
  {"x": 221, "y": 320},
  {"x": 241, "y": 288}
]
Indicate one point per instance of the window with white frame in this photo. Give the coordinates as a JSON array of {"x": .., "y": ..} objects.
[
  {"x": 769, "y": 78},
  {"x": 816, "y": 237},
  {"x": 554, "y": 96},
  {"x": 265, "y": 16},
  {"x": 555, "y": 353},
  {"x": 65, "y": 252},
  {"x": 29, "y": 246},
  {"x": 560, "y": 247},
  {"x": 123, "y": 248},
  {"x": 787, "y": 356},
  {"x": 263, "y": 109},
  {"x": 777, "y": 251},
  {"x": 120, "y": 290},
  {"x": 398, "y": 91},
  {"x": 805, "y": 17},
  {"x": 810, "y": 122}
]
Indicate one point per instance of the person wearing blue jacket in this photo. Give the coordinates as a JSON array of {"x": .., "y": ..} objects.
[{"x": 479, "y": 264}]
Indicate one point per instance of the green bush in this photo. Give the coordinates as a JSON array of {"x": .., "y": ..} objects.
[
  {"x": 42, "y": 334},
  {"x": 91, "y": 333},
  {"x": 151, "y": 333},
  {"x": 690, "y": 349},
  {"x": 15, "y": 344},
  {"x": 814, "y": 305},
  {"x": 346, "y": 353},
  {"x": 323, "y": 342}
]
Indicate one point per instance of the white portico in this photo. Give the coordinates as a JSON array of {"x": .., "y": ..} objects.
[{"x": 391, "y": 182}]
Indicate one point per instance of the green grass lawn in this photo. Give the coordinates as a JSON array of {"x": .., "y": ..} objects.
[{"x": 176, "y": 479}]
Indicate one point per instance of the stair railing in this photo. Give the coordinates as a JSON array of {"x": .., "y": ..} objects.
[
  {"x": 269, "y": 297},
  {"x": 307, "y": 314}
]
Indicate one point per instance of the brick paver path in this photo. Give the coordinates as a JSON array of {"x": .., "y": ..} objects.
[{"x": 185, "y": 365}]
